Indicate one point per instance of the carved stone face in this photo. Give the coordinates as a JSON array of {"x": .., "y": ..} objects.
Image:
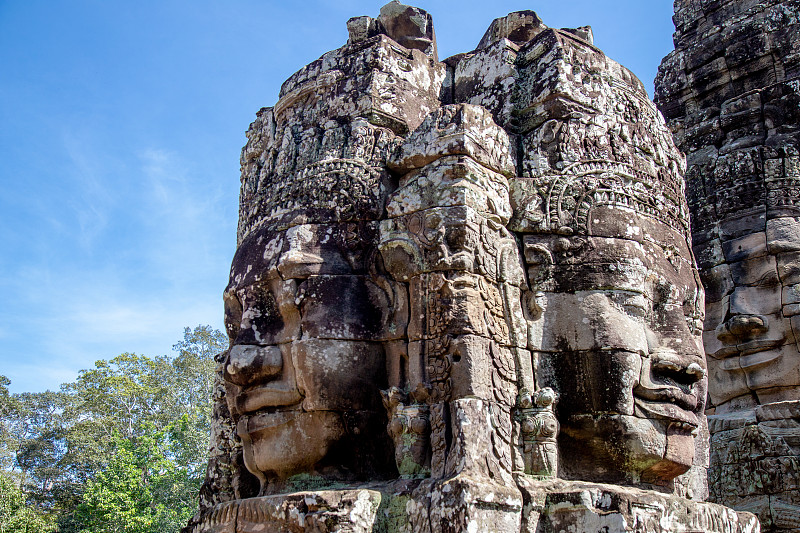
[
  {"x": 618, "y": 335},
  {"x": 305, "y": 366},
  {"x": 752, "y": 304}
]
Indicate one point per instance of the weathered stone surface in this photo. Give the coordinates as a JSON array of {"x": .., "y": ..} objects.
[
  {"x": 457, "y": 130},
  {"x": 459, "y": 284},
  {"x": 410, "y": 26},
  {"x": 460, "y": 504},
  {"x": 729, "y": 92},
  {"x": 460, "y": 181},
  {"x": 564, "y": 506},
  {"x": 518, "y": 27}
]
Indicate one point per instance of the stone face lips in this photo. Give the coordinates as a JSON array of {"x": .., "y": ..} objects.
[
  {"x": 731, "y": 93},
  {"x": 456, "y": 282}
]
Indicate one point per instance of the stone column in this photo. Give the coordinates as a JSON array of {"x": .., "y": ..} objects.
[{"x": 445, "y": 239}]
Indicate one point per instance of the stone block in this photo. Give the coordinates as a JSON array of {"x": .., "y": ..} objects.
[
  {"x": 789, "y": 267},
  {"x": 747, "y": 247},
  {"x": 785, "y": 514},
  {"x": 342, "y": 78},
  {"x": 726, "y": 379},
  {"x": 451, "y": 182},
  {"x": 464, "y": 504},
  {"x": 761, "y": 271},
  {"x": 462, "y": 129},
  {"x": 718, "y": 281},
  {"x": 319, "y": 512},
  {"x": 468, "y": 366},
  {"x": 220, "y": 519},
  {"x": 710, "y": 254},
  {"x": 449, "y": 239},
  {"x": 361, "y": 28},
  {"x": 755, "y": 301},
  {"x": 338, "y": 375},
  {"x": 783, "y": 235},
  {"x": 742, "y": 224},
  {"x": 410, "y": 26},
  {"x": 362, "y": 308},
  {"x": 485, "y": 78},
  {"x": 518, "y": 27},
  {"x": 579, "y": 506},
  {"x": 715, "y": 315}
]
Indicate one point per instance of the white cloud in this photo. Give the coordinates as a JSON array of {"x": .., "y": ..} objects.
[
  {"x": 80, "y": 319},
  {"x": 91, "y": 199}
]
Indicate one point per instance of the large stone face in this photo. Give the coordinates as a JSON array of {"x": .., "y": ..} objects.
[
  {"x": 463, "y": 298},
  {"x": 730, "y": 94}
]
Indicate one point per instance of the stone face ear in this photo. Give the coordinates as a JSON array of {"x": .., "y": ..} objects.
[{"x": 540, "y": 263}]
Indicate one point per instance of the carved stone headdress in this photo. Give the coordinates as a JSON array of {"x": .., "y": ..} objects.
[{"x": 567, "y": 203}]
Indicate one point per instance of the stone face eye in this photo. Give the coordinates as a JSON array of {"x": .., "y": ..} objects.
[
  {"x": 635, "y": 305},
  {"x": 253, "y": 364},
  {"x": 261, "y": 319}
]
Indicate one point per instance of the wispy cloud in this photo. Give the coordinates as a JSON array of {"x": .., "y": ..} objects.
[
  {"x": 185, "y": 218},
  {"x": 146, "y": 254},
  {"x": 83, "y": 317},
  {"x": 93, "y": 197}
]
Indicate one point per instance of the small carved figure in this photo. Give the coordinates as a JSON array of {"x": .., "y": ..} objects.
[
  {"x": 539, "y": 428},
  {"x": 410, "y": 429}
]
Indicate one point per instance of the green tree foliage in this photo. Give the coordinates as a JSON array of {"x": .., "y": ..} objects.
[
  {"x": 142, "y": 490},
  {"x": 73, "y": 452},
  {"x": 15, "y": 516},
  {"x": 39, "y": 429},
  {"x": 7, "y": 442}
]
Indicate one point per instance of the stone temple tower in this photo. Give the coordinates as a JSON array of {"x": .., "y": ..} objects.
[
  {"x": 463, "y": 299},
  {"x": 731, "y": 94}
]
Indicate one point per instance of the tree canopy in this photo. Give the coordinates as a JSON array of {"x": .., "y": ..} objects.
[{"x": 123, "y": 448}]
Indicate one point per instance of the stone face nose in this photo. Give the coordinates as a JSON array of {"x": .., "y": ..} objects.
[
  {"x": 742, "y": 327},
  {"x": 253, "y": 364}
]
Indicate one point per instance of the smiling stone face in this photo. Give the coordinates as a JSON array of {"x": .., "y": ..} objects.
[
  {"x": 307, "y": 310},
  {"x": 618, "y": 335},
  {"x": 305, "y": 365},
  {"x": 752, "y": 305}
]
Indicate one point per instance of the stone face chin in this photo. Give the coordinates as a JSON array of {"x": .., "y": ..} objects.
[
  {"x": 464, "y": 298},
  {"x": 286, "y": 443}
]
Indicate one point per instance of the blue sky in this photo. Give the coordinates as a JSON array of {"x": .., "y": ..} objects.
[{"x": 122, "y": 124}]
